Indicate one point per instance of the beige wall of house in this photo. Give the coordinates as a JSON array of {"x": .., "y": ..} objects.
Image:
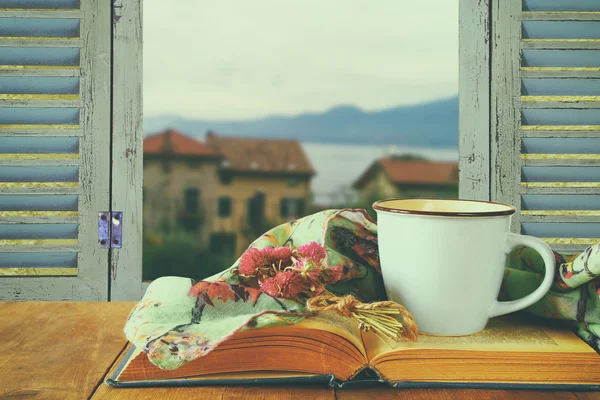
[
  {"x": 164, "y": 192},
  {"x": 380, "y": 186},
  {"x": 164, "y": 197},
  {"x": 241, "y": 190}
]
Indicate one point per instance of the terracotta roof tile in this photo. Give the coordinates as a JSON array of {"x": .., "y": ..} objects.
[
  {"x": 413, "y": 172},
  {"x": 421, "y": 172},
  {"x": 262, "y": 155},
  {"x": 176, "y": 143}
]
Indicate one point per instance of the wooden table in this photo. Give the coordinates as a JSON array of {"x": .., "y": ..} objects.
[{"x": 65, "y": 351}]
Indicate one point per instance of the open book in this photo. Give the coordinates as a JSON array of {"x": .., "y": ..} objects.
[{"x": 512, "y": 350}]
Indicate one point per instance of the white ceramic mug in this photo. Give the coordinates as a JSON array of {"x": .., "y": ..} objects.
[{"x": 444, "y": 261}]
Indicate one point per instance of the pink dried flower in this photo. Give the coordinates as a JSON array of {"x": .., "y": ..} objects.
[
  {"x": 334, "y": 274},
  {"x": 312, "y": 251},
  {"x": 290, "y": 283},
  {"x": 308, "y": 270},
  {"x": 278, "y": 255},
  {"x": 251, "y": 261},
  {"x": 286, "y": 284},
  {"x": 269, "y": 286}
]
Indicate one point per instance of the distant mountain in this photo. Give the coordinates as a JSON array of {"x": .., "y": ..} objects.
[{"x": 433, "y": 124}]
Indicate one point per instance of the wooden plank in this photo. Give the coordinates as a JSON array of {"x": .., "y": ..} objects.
[
  {"x": 560, "y": 16},
  {"x": 39, "y": 42},
  {"x": 127, "y": 149},
  {"x": 553, "y": 128},
  {"x": 37, "y": 242},
  {"x": 40, "y": 70},
  {"x": 37, "y": 219},
  {"x": 58, "y": 350},
  {"x": 41, "y": 96},
  {"x": 560, "y": 159},
  {"x": 560, "y": 216},
  {"x": 505, "y": 105},
  {"x": 43, "y": 132},
  {"x": 39, "y": 248},
  {"x": 95, "y": 145},
  {"x": 33, "y": 288},
  {"x": 474, "y": 100},
  {"x": 39, "y": 189},
  {"x": 559, "y": 134},
  {"x": 558, "y": 190},
  {"x": 22, "y": 159},
  {"x": 571, "y": 241},
  {"x": 570, "y": 185},
  {"x": 41, "y": 103},
  {"x": 588, "y": 395},
  {"x": 560, "y": 102},
  {"x": 40, "y": 13},
  {"x": 38, "y": 127},
  {"x": 450, "y": 394},
  {"x": 560, "y": 72},
  {"x": 38, "y": 271},
  {"x": 561, "y": 44},
  {"x": 36, "y": 185}
]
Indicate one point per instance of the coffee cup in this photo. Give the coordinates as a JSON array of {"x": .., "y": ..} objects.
[{"x": 444, "y": 261}]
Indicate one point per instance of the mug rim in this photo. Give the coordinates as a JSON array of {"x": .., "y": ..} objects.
[{"x": 510, "y": 210}]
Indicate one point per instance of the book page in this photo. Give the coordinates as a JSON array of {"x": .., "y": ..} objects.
[
  {"x": 332, "y": 322},
  {"x": 514, "y": 333}
]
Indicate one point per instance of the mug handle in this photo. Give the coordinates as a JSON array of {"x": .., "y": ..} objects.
[{"x": 512, "y": 241}]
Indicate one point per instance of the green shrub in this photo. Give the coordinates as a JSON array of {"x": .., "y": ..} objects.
[{"x": 179, "y": 254}]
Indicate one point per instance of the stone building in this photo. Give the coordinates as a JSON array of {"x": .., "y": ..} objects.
[{"x": 227, "y": 190}]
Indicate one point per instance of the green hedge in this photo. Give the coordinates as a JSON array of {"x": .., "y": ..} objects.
[{"x": 178, "y": 254}]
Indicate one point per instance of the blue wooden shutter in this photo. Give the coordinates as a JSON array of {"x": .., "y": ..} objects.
[
  {"x": 54, "y": 148},
  {"x": 545, "y": 117}
]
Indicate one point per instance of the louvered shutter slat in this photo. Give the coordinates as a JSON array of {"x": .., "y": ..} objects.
[{"x": 54, "y": 136}]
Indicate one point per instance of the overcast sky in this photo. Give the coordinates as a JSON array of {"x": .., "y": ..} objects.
[{"x": 235, "y": 59}]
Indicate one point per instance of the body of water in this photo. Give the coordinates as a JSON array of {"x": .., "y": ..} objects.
[{"x": 338, "y": 166}]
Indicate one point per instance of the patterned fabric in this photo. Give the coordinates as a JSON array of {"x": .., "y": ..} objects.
[
  {"x": 574, "y": 296},
  {"x": 174, "y": 327}
]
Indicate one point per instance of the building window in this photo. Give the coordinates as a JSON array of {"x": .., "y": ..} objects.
[
  {"x": 224, "y": 206},
  {"x": 222, "y": 243},
  {"x": 292, "y": 181},
  {"x": 191, "y": 200},
  {"x": 225, "y": 176},
  {"x": 292, "y": 207},
  {"x": 256, "y": 212},
  {"x": 194, "y": 164}
]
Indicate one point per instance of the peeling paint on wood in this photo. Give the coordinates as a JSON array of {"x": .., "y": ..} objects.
[
  {"x": 38, "y": 271},
  {"x": 474, "y": 99},
  {"x": 594, "y": 213},
  {"x": 561, "y": 184},
  {"x": 127, "y": 128},
  {"x": 505, "y": 105},
  {"x": 561, "y": 127}
]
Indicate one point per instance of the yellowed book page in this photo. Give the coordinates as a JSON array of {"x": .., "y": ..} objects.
[
  {"x": 520, "y": 333},
  {"x": 332, "y": 322}
]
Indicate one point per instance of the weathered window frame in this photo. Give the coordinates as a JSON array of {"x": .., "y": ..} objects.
[
  {"x": 474, "y": 99},
  {"x": 125, "y": 263}
]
